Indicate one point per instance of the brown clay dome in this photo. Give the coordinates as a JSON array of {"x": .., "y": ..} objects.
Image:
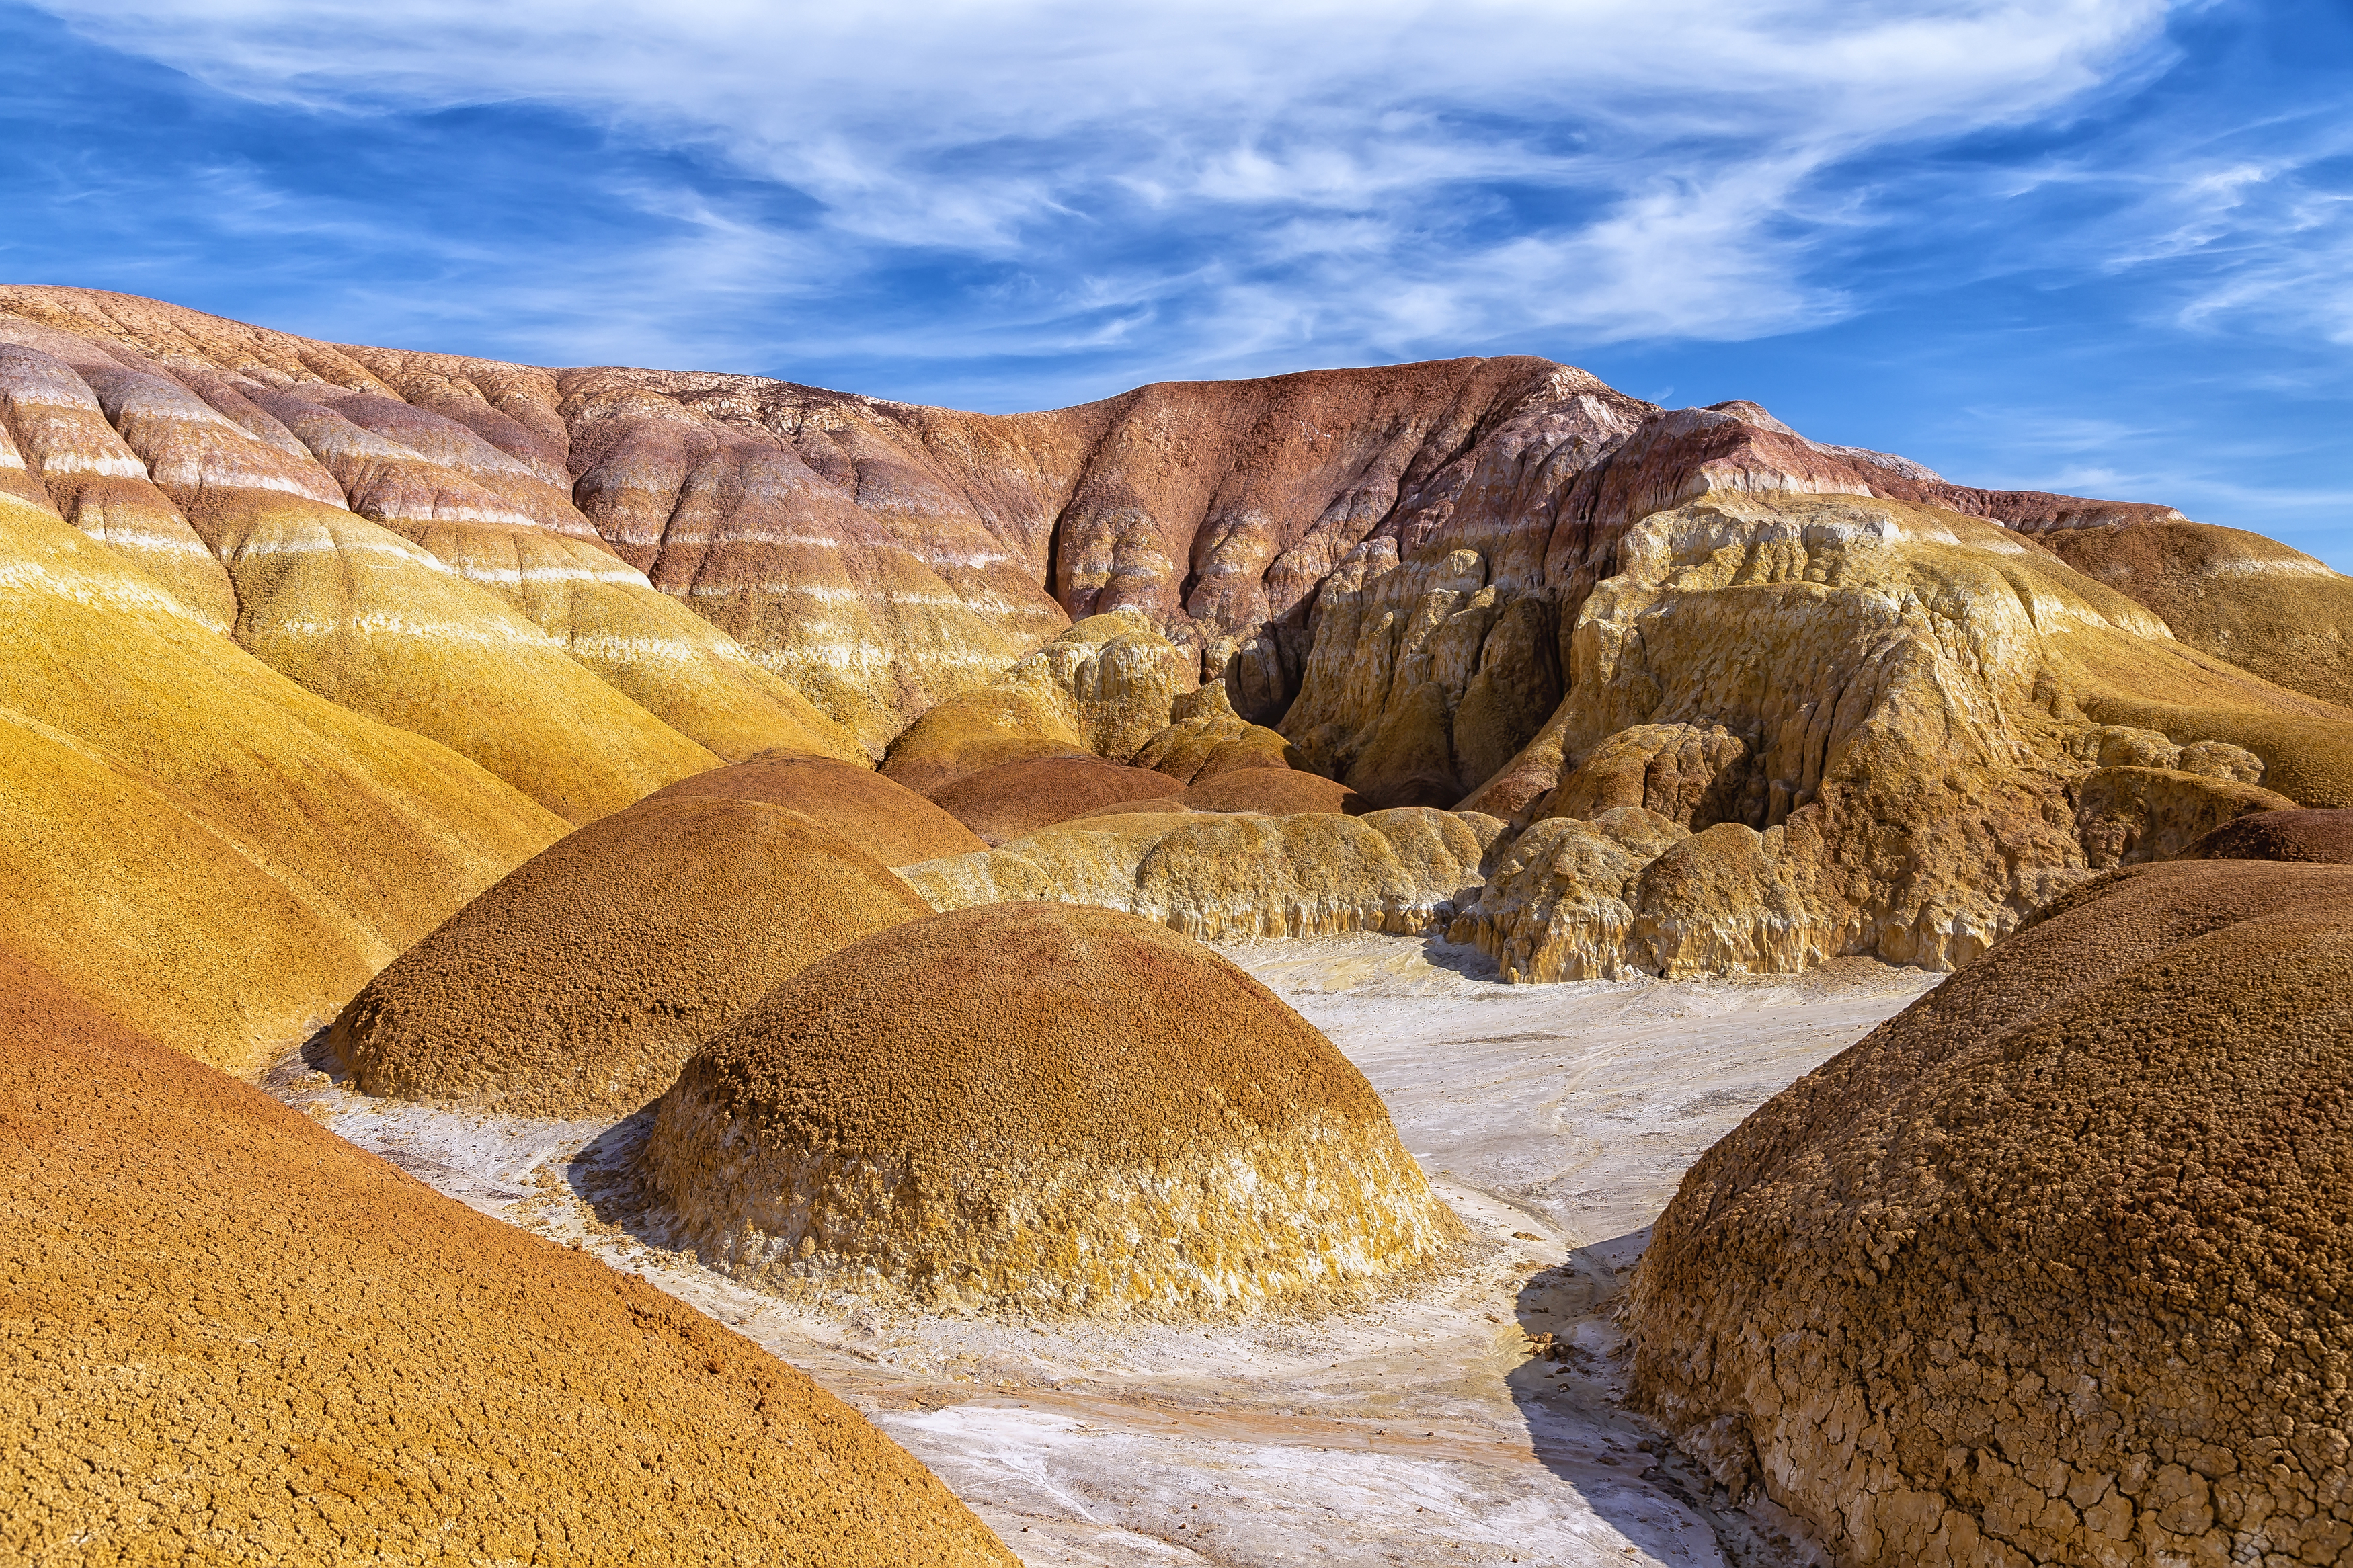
[
  {"x": 578, "y": 984},
  {"x": 2303, "y": 834},
  {"x": 2054, "y": 1266},
  {"x": 1044, "y": 1108},
  {"x": 1277, "y": 792},
  {"x": 882, "y": 816},
  {"x": 1014, "y": 798}
]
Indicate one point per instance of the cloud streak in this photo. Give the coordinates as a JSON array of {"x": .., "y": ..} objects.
[{"x": 1218, "y": 188}]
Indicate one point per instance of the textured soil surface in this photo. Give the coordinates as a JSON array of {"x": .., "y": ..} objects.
[
  {"x": 1038, "y": 1107},
  {"x": 1278, "y": 792},
  {"x": 884, "y": 818},
  {"x": 1475, "y": 1421},
  {"x": 227, "y": 1336},
  {"x": 1014, "y": 798},
  {"x": 2238, "y": 595},
  {"x": 584, "y": 979},
  {"x": 2053, "y": 1267},
  {"x": 2321, "y": 835}
]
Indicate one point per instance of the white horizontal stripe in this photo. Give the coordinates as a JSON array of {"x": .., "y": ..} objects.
[
  {"x": 111, "y": 465},
  {"x": 549, "y": 574},
  {"x": 161, "y": 544},
  {"x": 98, "y": 592},
  {"x": 397, "y": 549}
]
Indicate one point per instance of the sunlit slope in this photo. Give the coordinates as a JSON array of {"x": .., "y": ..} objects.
[
  {"x": 2237, "y": 595},
  {"x": 229, "y": 1336},
  {"x": 214, "y": 854},
  {"x": 438, "y": 585}
]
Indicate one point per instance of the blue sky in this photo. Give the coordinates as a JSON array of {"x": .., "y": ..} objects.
[{"x": 2097, "y": 246}]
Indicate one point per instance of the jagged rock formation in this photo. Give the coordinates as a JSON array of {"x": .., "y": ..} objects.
[
  {"x": 578, "y": 984},
  {"x": 1496, "y": 584},
  {"x": 1011, "y": 799},
  {"x": 1218, "y": 874},
  {"x": 1561, "y": 901},
  {"x": 2052, "y": 1268},
  {"x": 1878, "y": 728},
  {"x": 2322, "y": 836},
  {"x": 1043, "y": 1109},
  {"x": 228, "y": 1335},
  {"x": 884, "y": 819},
  {"x": 214, "y": 854}
]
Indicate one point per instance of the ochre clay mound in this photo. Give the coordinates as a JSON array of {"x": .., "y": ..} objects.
[
  {"x": 2323, "y": 836},
  {"x": 1277, "y": 792},
  {"x": 229, "y": 1336},
  {"x": 577, "y": 984},
  {"x": 2055, "y": 1266},
  {"x": 1103, "y": 688},
  {"x": 1120, "y": 810},
  {"x": 887, "y": 820},
  {"x": 210, "y": 852},
  {"x": 2266, "y": 608},
  {"x": 1044, "y": 1109},
  {"x": 1014, "y": 798}
]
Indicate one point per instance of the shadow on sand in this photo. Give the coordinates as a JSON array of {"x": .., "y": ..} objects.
[{"x": 1571, "y": 1393}]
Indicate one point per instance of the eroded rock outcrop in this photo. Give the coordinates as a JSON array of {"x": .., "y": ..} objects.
[
  {"x": 579, "y": 983},
  {"x": 1103, "y": 688},
  {"x": 1206, "y": 737},
  {"x": 1888, "y": 728},
  {"x": 1219, "y": 874},
  {"x": 1044, "y": 1109},
  {"x": 2051, "y": 1267},
  {"x": 332, "y": 1363}
]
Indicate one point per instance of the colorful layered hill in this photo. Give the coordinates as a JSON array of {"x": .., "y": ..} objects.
[{"x": 310, "y": 644}]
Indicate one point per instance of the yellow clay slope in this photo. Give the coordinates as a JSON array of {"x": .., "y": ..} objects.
[{"x": 212, "y": 852}]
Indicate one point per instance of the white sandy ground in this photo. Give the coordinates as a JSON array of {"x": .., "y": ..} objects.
[{"x": 1472, "y": 1421}]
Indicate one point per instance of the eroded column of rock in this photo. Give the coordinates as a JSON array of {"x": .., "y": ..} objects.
[{"x": 2052, "y": 1268}]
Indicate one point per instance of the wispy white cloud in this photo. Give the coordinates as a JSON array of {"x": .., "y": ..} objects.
[{"x": 1223, "y": 181}]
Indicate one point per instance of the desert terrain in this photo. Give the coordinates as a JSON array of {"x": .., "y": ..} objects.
[{"x": 1423, "y": 964}]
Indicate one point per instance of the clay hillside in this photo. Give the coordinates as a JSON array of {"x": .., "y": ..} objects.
[
  {"x": 786, "y": 826},
  {"x": 308, "y": 644}
]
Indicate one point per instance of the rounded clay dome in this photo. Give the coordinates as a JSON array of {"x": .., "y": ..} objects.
[
  {"x": 1042, "y": 1107},
  {"x": 2054, "y": 1266},
  {"x": 881, "y": 815},
  {"x": 577, "y": 984}
]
